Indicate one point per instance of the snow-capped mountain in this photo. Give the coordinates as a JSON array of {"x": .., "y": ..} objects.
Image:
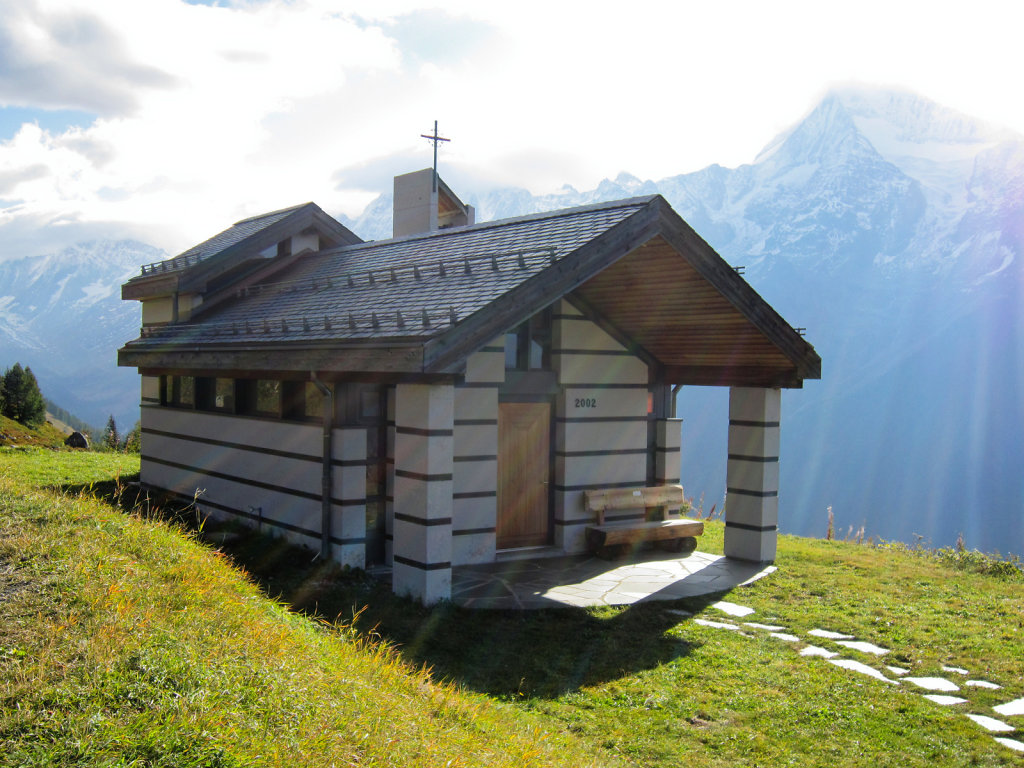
[
  {"x": 893, "y": 229},
  {"x": 62, "y": 315}
]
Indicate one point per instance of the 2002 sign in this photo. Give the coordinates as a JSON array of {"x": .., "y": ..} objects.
[{"x": 586, "y": 402}]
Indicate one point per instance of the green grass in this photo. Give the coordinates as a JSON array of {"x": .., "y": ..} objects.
[
  {"x": 124, "y": 640},
  {"x": 65, "y": 469},
  {"x": 13, "y": 434}
]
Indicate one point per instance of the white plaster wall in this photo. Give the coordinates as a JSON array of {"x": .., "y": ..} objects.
[
  {"x": 488, "y": 365},
  {"x": 423, "y": 479},
  {"x": 150, "y": 390},
  {"x": 301, "y": 242},
  {"x": 236, "y": 464},
  {"x": 752, "y": 505},
  {"x": 601, "y": 427},
  {"x": 474, "y": 502},
  {"x": 158, "y": 310}
]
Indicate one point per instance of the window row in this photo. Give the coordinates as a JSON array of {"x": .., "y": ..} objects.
[{"x": 273, "y": 398}]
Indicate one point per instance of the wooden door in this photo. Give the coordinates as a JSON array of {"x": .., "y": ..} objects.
[{"x": 524, "y": 461}]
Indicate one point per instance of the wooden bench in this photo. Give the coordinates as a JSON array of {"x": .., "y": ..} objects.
[{"x": 675, "y": 533}]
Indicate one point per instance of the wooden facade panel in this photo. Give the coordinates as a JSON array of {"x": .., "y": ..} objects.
[
  {"x": 523, "y": 470},
  {"x": 685, "y": 322}
]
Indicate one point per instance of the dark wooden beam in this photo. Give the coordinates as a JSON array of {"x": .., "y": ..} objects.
[
  {"x": 335, "y": 359},
  {"x": 360, "y": 377},
  {"x": 732, "y": 376},
  {"x": 150, "y": 286}
]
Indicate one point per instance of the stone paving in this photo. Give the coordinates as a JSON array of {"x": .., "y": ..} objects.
[
  {"x": 585, "y": 580},
  {"x": 899, "y": 676}
]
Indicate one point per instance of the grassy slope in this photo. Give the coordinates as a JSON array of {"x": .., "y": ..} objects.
[
  {"x": 641, "y": 683},
  {"x": 13, "y": 433},
  {"x": 124, "y": 643}
]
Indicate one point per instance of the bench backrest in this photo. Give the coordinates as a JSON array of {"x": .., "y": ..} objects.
[{"x": 605, "y": 499}]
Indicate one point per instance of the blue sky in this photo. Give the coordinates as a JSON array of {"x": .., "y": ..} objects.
[{"x": 167, "y": 120}]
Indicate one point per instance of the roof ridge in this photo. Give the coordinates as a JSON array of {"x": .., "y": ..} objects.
[
  {"x": 289, "y": 209},
  {"x": 558, "y": 212}
]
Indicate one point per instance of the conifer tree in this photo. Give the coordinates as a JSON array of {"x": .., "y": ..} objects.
[
  {"x": 33, "y": 402},
  {"x": 133, "y": 440},
  {"x": 22, "y": 400},
  {"x": 11, "y": 389},
  {"x": 111, "y": 438}
]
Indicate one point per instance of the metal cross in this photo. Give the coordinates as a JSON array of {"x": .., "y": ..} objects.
[{"x": 436, "y": 139}]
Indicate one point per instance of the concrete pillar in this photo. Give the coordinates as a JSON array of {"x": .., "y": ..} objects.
[
  {"x": 668, "y": 433},
  {"x": 348, "y": 494},
  {"x": 424, "y": 442},
  {"x": 752, "y": 481}
]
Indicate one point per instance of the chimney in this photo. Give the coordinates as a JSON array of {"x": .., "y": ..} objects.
[{"x": 419, "y": 207}]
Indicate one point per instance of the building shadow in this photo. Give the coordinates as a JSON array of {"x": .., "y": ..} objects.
[{"x": 506, "y": 653}]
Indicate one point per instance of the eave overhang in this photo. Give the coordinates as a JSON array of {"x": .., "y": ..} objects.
[{"x": 667, "y": 296}]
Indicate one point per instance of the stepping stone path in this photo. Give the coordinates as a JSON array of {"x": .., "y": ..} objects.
[
  {"x": 860, "y": 645},
  {"x": 1011, "y": 743},
  {"x": 946, "y": 701},
  {"x": 813, "y": 650},
  {"x": 933, "y": 683},
  {"x": 732, "y": 609},
  {"x": 990, "y": 724}
]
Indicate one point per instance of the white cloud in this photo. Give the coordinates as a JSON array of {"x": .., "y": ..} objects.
[
  {"x": 60, "y": 56},
  {"x": 209, "y": 114}
]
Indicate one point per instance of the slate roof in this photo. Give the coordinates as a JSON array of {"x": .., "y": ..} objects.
[
  {"x": 400, "y": 289},
  {"x": 422, "y": 304},
  {"x": 220, "y": 242}
]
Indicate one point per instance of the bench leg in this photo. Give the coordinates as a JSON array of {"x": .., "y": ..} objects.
[
  {"x": 683, "y": 545},
  {"x": 613, "y": 551}
]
